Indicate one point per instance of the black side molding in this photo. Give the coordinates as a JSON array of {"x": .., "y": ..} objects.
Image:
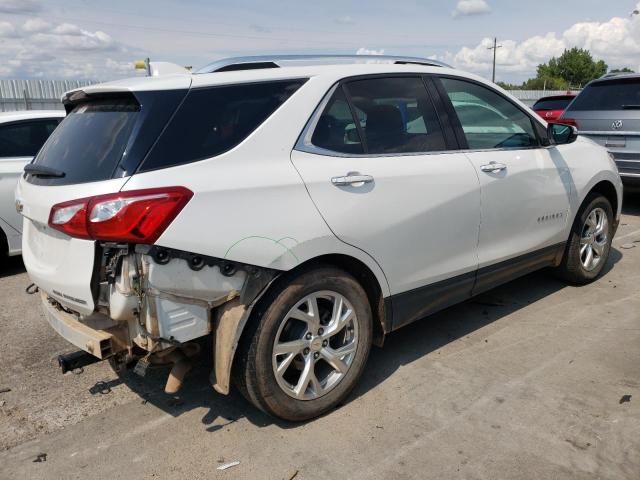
[{"x": 407, "y": 307}]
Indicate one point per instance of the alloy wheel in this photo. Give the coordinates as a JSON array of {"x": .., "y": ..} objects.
[
  {"x": 315, "y": 345},
  {"x": 594, "y": 238}
]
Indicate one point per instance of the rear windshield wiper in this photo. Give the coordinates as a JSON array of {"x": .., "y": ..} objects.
[
  {"x": 631, "y": 107},
  {"x": 42, "y": 171}
]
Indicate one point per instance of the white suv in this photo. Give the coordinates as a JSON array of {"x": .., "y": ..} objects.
[
  {"x": 21, "y": 136},
  {"x": 298, "y": 212}
]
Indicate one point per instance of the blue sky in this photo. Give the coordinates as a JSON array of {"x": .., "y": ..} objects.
[{"x": 90, "y": 38}]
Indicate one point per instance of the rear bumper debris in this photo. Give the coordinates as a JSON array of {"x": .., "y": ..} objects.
[{"x": 152, "y": 302}]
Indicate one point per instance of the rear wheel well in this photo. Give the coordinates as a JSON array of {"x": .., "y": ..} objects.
[
  {"x": 363, "y": 274},
  {"x": 608, "y": 191}
]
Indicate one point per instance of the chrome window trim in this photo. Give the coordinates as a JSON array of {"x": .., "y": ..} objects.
[{"x": 304, "y": 144}]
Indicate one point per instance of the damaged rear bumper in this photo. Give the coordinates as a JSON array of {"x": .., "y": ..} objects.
[
  {"x": 98, "y": 342},
  {"x": 153, "y": 301}
]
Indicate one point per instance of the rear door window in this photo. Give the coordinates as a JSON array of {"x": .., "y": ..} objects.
[
  {"x": 621, "y": 94},
  {"x": 488, "y": 119},
  {"x": 213, "y": 120},
  {"x": 396, "y": 115},
  {"x": 25, "y": 138},
  {"x": 336, "y": 129}
]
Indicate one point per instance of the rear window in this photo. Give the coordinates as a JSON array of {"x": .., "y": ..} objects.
[
  {"x": 213, "y": 120},
  {"x": 559, "y": 103},
  {"x": 609, "y": 95},
  {"x": 24, "y": 139},
  {"x": 106, "y": 136}
]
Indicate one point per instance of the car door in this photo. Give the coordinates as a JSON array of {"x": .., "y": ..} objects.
[
  {"x": 19, "y": 142},
  {"x": 388, "y": 184},
  {"x": 525, "y": 187}
]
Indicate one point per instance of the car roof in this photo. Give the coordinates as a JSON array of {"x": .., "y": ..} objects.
[
  {"x": 557, "y": 97},
  {"x": 609, "y": 77},
  {"x": 30, "y": 114},
  {"x": 335, "y": 72}
]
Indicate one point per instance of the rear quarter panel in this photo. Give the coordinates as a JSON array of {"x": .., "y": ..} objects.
[{"x": 250, "y": 204}]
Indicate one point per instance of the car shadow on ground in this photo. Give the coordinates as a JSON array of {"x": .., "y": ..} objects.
[
  {"x": 401, "y": 348},
  {"x": 11, "y": 266}
]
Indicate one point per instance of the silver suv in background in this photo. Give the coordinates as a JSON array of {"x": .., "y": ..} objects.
[{"x": 608, "y": 112}]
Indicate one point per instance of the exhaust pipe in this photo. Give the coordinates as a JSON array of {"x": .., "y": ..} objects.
[
  {"x": 73, "y": 360},
  {"x": 181, "y": 366},
  {"x": 180, "y": 361}
]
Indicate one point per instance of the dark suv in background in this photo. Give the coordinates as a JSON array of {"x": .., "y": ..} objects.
[{"x": 608, "y": 112}]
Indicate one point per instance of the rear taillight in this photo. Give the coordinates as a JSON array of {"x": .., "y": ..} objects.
[{"x": 137, "y": 216}]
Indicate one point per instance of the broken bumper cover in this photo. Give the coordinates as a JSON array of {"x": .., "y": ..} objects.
[{"x": 99, "y": 343}]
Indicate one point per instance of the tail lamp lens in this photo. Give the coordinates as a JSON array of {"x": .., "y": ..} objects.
[{"x": 137, "y": 216}]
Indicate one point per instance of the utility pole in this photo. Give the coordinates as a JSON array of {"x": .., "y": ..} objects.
[{"x": 494, "y": 48}]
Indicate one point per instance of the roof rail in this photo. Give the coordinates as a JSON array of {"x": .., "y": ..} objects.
[
  {"x": 618, "y": 74},
  {"x": 256, "y": 62}
]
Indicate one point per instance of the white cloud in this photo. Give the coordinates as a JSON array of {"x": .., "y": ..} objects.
[
  {"x": 471, "y": 7},
  {"x": 367, "y": 51},
  {"x": 616, "y": 41},
  {"x": 19, "y": 6},
  {"x": 8, "y": 30},
  {"x": 41, "y": 48},
  {"x": 34, "y": 25}
]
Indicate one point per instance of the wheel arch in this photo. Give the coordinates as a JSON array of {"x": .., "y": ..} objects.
[
  {"x": 366, "y": 277},
  {"x": 608, "y": 191},
  {"x": 238, "y": 317}
]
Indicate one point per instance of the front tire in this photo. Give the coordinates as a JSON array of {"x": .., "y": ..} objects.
[
  {"x": 307, "y": 345},
  {"x": 589, "y": 244}
]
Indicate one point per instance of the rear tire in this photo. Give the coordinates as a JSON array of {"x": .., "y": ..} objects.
[
  {"x": 589, "y": 244},
  {"x": 306, "y": 345}
]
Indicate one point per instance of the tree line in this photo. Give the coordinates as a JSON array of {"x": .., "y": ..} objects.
[{"x": 572, "y": 70}]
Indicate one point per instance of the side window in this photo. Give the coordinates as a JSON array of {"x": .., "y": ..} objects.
[
  {"x": 336, "y": 130},
  {"x": 24, "y": 139},
  {"x": 396, "y": 115},
  {"x": 214, "y": 120},
  {"x": 488, "y": 119}
]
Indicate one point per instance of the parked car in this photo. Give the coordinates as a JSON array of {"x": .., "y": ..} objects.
[
  {"x": 551, "y": 108},
  {"x": 298, "y": 213},
  {"x": 608, "y": 112},
  {"x": 21, "y": 136}
]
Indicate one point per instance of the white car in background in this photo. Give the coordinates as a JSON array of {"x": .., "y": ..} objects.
[
  {"x": 22, "y": 134},
  {"x": 286, "y": 208}
]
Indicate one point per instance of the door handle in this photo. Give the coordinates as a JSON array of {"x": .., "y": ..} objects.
[
  {"x": 493, "y": 167},
  {"x": 352, "y": 178}
]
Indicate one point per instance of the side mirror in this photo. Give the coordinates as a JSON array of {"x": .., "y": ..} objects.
[{"x": 561, "y": 134}]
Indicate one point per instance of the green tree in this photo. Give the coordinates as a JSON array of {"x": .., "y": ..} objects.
[
  {"x": 621, "y": 70},
  {"x": 575, "y": 66},
  {"x": 546, "y": 83}
]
